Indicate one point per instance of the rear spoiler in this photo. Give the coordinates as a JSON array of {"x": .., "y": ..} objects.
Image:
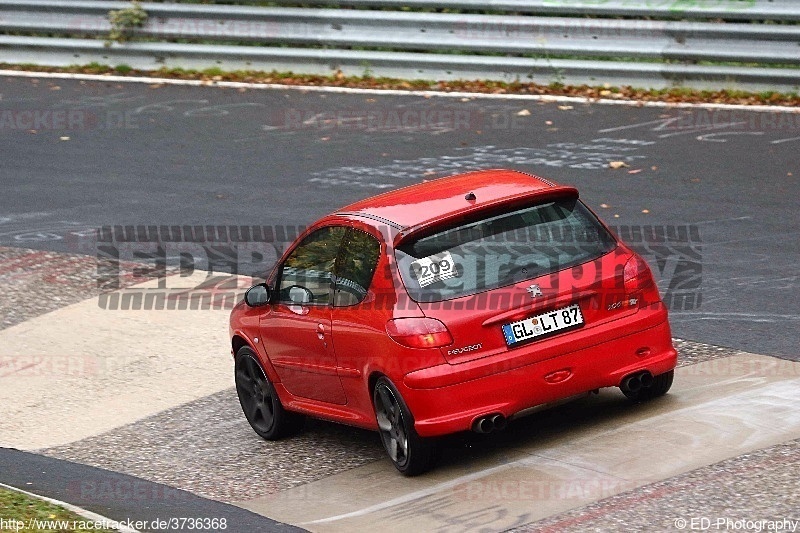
[{"x": 431, "y": 226}]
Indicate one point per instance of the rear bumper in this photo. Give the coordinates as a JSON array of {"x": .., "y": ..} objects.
[{"x": 448, "y": 398}]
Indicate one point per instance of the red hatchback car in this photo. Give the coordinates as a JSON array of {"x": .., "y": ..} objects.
[{"x": 448, "y": 306}]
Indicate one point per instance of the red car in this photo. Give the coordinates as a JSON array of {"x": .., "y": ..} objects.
[{"x": 448, "y": 306}]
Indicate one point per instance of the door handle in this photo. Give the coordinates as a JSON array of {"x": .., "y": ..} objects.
[{"x": 321, "y": 331}]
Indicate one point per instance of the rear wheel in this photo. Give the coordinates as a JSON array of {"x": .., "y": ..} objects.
[
  {"x": 411, "y": 454},
  {"x": 661, "y": 384},
  {"x": 259, "y": 400}
]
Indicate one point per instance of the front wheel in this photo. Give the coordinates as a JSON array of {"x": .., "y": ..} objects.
[
  {"x": 411, "y": 454},
  {"x": 259, "y": 400}
]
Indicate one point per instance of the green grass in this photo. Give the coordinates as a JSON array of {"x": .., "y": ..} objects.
[{"x": 15, "y": 506}]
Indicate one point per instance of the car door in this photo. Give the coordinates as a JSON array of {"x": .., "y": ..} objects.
[
  {"x": 359, "y": 316},
  {"x": 296, "y": 329}
]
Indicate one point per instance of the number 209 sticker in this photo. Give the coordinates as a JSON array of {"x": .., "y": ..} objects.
[{"x": 434, "y": 268}]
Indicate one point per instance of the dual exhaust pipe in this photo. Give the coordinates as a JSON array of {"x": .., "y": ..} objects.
[
  {"x": 497, "y": 422},
  {"x": 636, "y": 382},
  {"x": 489, "y": 423}
]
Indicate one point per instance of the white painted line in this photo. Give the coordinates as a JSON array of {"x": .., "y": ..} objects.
[
  {"x": 754, "y": 317},
  {"x": 785, "y": 391},
  {"x": 393, "y": 92},
  {"x": 718, "y": 409},
  {"x": 88, "y": 515},
  {"x": 416, "y": 495},
  {"x": 92, "y": 358}
]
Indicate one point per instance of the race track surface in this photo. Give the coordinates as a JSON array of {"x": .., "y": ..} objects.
[{"x": 145, "y": 396}]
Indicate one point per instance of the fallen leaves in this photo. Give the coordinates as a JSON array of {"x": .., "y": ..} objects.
[{"x": 671, "y": 95}]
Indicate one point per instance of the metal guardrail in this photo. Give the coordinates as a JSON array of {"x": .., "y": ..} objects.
[
  {"x": 786, "y": 10},
  {"x": 421, "y": 45}
]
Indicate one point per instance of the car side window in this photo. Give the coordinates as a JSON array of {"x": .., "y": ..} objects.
[
  {"x": 355, "y": 267},
  {"x": 307, "y": 274}
]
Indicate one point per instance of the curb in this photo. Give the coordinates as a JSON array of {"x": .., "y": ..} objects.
[{"x": 80, "y": 511}]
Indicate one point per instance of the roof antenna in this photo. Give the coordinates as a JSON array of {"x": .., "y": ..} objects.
[{"x": 470, "y": 197}]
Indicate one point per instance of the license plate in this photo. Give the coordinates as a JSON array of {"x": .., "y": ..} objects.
[{"x": 544, "y": 324}]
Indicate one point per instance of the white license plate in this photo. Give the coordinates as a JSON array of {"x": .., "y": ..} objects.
[{"x": 544, "y": 324}]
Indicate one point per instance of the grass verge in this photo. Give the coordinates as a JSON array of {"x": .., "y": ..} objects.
[
  {"x": 20, "y": 512},
  {"x": 672, "y": 95}
]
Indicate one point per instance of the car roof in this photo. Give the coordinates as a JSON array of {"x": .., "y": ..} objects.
[{"x": 446, "y": 197}]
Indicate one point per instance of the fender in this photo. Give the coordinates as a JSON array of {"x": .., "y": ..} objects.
[{"x": 258, "y": 348}]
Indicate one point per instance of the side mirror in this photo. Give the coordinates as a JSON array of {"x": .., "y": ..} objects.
[
  {"x": 300, "y": 295},
  {"x": 257, "y": 295}
]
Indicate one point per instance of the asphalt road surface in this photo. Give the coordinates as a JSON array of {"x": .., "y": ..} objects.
[
  {"x": 724, "y": 184},
  {"x": 136, "y": 503}
]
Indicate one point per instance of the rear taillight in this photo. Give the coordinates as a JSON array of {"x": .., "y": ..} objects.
[
  {"x": 419, "y": 332},
  {"x": 640, "y": 287},
  {"x": 637, "y": 275}
]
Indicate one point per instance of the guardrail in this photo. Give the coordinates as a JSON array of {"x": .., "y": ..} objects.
[
  {"x": 423, "y": 45},
  {"x": 709, "y": 9}
]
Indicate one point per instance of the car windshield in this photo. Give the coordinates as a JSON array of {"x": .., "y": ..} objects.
[{"x": 501, "y": 249}]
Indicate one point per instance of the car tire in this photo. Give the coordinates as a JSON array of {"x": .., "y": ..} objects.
[
  {"x": 411, "y": 454},
  {"x": 660, "y": 386},
  {"x": 259, "y": 400}
]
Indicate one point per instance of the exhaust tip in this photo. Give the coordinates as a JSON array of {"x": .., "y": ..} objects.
[
  {"x": 489, "y": 423},
  {"x": 632, "y": 383},
  {"x": 635, "y": 382},
  {"x": 483, "y": 425},
  {"x": 499, "y": 422}
]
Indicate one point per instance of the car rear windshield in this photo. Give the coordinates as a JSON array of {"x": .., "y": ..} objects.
[{"x": 500, "y": 249}]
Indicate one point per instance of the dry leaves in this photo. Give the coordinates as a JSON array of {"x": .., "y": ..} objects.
[{"x": 673, "y": 95}]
